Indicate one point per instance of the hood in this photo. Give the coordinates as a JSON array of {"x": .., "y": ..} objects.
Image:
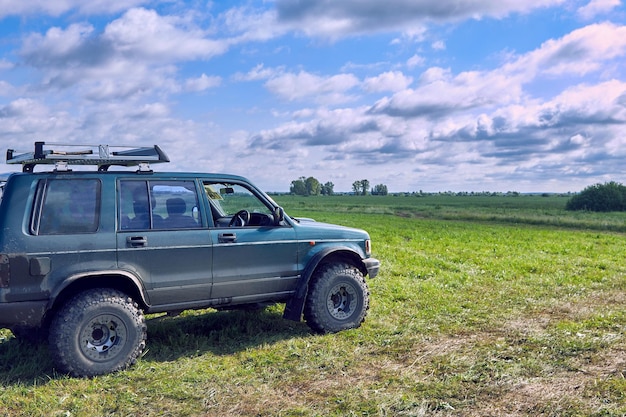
[{"x": 307, "y": 228}]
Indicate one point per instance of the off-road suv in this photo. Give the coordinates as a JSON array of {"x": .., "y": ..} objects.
[{"x": 85, "y": 254}]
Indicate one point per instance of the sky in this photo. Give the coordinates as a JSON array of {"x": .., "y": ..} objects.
[{"x": 417, "y": 95}]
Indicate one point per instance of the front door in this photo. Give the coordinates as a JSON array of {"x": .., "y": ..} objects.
[{"x": 254, "y": 258}]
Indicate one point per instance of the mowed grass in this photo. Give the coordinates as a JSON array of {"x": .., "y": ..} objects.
[{"x": 513, "y": 309}]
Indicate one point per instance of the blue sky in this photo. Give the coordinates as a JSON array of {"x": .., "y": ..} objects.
[{"x": 441, "y": 95}]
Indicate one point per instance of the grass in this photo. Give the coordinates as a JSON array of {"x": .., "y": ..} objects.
[
  {"x": 539, "y": 210},
  {"x": 478, "y": 310}
]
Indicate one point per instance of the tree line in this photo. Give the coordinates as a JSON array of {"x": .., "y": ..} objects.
[
  {"x": 610, "y": 196},
  {"x": 312, "y": 186}
]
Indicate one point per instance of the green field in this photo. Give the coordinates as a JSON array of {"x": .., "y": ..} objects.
[{"x": 485, "y": 306}]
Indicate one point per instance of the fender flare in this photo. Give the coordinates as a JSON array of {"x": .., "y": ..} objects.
[
  {"x": 295, "y": 305},
  {"x": 129, "y": 277}
]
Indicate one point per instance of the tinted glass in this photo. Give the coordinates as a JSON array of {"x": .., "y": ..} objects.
[
  {"x": 158, "y": 205},
  {"x": 70, "y": 206}
]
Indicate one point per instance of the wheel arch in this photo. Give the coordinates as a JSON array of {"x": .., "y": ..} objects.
[
  {"x": 295, "y": 306},
  {"x": 119, "y": 280}
]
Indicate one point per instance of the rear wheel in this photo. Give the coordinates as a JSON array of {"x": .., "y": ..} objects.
[
  {"x": 338, "y": 299},
  {"x": 97, "y": 332}
]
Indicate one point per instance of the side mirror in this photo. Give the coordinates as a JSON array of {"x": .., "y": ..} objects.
[{"x": 279, "y": 215}]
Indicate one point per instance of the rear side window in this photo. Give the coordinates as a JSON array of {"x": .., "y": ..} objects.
[
  {"x": 67, "y": 207},
  {"x": 158, "y": 204}
]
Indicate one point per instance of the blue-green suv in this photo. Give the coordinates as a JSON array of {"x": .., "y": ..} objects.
[{"x": 85, "y": 254}]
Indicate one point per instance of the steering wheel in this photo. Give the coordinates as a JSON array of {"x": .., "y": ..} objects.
[{"x": 240, "y": 219}]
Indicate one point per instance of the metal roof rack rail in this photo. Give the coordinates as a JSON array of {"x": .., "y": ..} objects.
[{"x": 101, "y": 155}]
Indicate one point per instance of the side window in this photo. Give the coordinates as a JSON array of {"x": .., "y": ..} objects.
[
  {"x": 158, "y": 205},
  {"x": 68, "y": 206},
  {"x": 229, "y": 199},
  {"x": 176, "y": 204},
  {"x": 135, "y": 204}
]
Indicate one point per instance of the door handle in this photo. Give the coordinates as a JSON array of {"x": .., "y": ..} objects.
[
  {"x": 227, "y": 237},
  {"x": 137, "y": 241}
]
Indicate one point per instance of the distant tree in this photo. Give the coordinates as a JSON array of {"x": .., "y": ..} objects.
[
  {"x": 328, "y": 188},
  {"x": 380, "y": 189},
  {"x": 298, "y": 187},
  {"x": 610, "y": 196},
  {"x": 313, "y": 186},
  {"x": 365, "y": 186},
  {"x": 361, "y": 187},
  {"x": 305, "y": 186}
]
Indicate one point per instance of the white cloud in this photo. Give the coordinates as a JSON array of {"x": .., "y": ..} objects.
[
  {"x": 121, "y": 80},
  {"x": 150, "y": 111},
  {"x": 93, "y": 7},
  {"x": 412, "y": 34},
  {"x": 250, "y": 25},
  {"x": 578, "y": 53},
  {"x": 4, "y": 64},
  {"x": 388, "y": 81},
  {"x": 440, "y": 93},
  {"x": 57, "y": 45},
  {"x": 58, "y": 7},
  {"x": 597, "y": 7},
  {"x": 135, "y": 55},
  {"x": 439, "y": 45},
  {"x": 302, "y": 85},
  {"x": 330, "y": 18},
  {"x": 415, "y": 61},
  {"x": 24, "y": 117},
  {"x": 146, "y": 34},
  {"x": 259, "y": 72},
  {"x": 482, "y": 118},
  {"x": 605, "y": 103},
  {"x": 6, "y": 89},
  {"x": 202, "y": 83}
]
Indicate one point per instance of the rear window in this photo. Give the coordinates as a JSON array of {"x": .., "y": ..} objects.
[{"x": 67, "y": 207}]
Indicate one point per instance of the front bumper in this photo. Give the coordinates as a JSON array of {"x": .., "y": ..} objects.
[{"x": 372, "y": 265}]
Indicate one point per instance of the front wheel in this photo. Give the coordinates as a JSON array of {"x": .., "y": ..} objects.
[
  {"x": 338, "y": 299},
  {"x": 97, "y": 332}
]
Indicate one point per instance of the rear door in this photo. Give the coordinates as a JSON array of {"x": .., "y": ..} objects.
[
  {"x": 163, "y": 237},
  {"x": 68, "y": 233}
]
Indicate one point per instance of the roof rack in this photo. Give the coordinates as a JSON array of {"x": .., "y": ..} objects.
[{"x": 101, "y": 155}]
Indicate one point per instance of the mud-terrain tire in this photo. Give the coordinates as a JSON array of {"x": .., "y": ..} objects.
[
  {"x": 97, "y": 332},
  {"x": 338, "y": 299}
]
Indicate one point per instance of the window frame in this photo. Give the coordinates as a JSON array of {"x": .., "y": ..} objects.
[
  {"x": 160, "y": 223},
  {"x": 41, "y": 207}
]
